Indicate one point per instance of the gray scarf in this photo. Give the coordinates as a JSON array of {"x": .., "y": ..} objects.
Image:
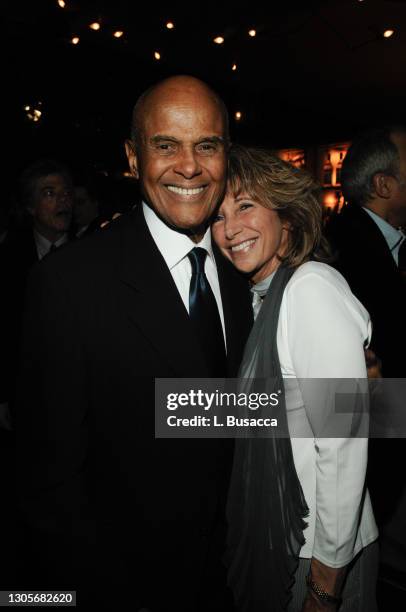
[{"x": 266, "y": 505}]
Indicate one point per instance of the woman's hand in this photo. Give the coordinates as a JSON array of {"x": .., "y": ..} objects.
[
  {"x": 330, "y": 580},
  {"x": 313, "y": 604}
]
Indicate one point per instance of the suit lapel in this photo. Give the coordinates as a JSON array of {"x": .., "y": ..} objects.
[{"x": 153, "y": 302}]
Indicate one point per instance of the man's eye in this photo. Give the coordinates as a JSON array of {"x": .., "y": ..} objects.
[
  {"x": 207, "y": 147},
  {"x": 165, "y": 147},
  {"x": 49, "y": 193}
]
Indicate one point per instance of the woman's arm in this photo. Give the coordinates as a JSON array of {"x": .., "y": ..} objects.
[{"x": 326, "y": 330}]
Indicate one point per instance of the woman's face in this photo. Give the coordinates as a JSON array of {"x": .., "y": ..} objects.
[{"x": 250, "y": 235}]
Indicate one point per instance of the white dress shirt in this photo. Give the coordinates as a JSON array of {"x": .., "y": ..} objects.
[
  {"x": 43, "y": 245},
  {"x": 174, "y": 248},
  {"x": 394, "y": 237}
]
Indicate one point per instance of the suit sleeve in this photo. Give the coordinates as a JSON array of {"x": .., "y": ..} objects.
[
  {"x": 326, "y": 330},
  {"x": 51, "y": 431}
]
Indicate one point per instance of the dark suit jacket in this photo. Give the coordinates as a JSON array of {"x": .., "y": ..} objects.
[
  {"x": 366, "y": 262},
  {"x": 117, "y": 514},
  {"x": 18, "y": 254}
]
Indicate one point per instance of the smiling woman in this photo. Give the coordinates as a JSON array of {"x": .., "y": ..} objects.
[
  {"x": 274, "y": 208},
  {"x": 308, "y": 325}
]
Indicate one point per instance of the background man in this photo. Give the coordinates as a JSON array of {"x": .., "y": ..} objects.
[
  {"x": 370, "y": 246},
  {"x": 129, "y": 521}
]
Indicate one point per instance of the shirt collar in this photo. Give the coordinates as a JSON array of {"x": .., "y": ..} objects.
[
  {"x": 44, "y": 244},
  {"x": 390, "y": 233},
  {"x": 173, "y": 246}
]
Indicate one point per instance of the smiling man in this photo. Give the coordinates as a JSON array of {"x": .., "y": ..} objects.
[{"x": 129, "y": 521}]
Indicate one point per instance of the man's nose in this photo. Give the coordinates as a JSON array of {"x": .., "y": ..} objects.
[
  {"x": 187, "y": 164},
  {"x": 64, "y": 197}
]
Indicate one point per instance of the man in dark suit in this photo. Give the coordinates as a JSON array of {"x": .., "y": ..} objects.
[
  {"x": 44, "y": 212},
  {"x": 369, "y": 243},
  {"x": 129, "y": 521}
]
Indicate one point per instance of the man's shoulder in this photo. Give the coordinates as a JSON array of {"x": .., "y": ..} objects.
[{"x": 94, "y": 255}]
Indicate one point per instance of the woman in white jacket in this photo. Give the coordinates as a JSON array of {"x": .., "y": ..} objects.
[{"x": 309, "y": 326}]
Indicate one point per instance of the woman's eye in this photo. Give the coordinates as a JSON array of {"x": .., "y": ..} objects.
[
  {"x": 245, "y": 205},
  {"x": 217, "y": 218}
]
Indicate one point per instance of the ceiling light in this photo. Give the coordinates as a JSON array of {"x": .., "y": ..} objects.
[
  {"x": 238, "y": 116},
  {"x": 388, "y": 33},
  {"x": 157, "y": 55},
  {"x": 252, "y": 33},
  {"x": 170, "y": 25},
  {"x": 118, "y": 34},
  {"x": 61, "y": 3},
  {"x": 95, "y": 26},
  {"x": 75, "y": 40},
  {"x": 219, "y": 40},
  {"x": 234, "y": 67}
]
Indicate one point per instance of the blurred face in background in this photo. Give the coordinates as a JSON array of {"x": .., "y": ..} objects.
[
  {"x": 51, "y": 206},
  {"x": 85, "y": 207}
]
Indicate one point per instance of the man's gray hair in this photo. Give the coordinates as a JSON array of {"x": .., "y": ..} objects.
[{"x": 370, "y": 153}]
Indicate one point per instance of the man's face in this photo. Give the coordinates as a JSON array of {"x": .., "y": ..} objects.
[
  {"x": 52, "y": 206},
  {"x": 85, "y": 208},
  {"x": 181, "y": 159},
  {"x": 398, "y": 200}
]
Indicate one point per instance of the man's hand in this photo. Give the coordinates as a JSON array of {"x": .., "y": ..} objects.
[{"x": 374, "y": 364}]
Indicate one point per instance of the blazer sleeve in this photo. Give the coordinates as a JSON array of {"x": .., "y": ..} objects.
[
  {"x": 51, "y": 430},
  {"x": 327, "y": 329}
]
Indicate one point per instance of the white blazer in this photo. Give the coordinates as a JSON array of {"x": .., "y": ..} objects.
[{"x": 321, "y": 333}]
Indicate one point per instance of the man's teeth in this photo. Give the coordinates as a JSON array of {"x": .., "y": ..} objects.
[
  {"x": 244, "y": 246},
  {"x": 182, "y": 191}
]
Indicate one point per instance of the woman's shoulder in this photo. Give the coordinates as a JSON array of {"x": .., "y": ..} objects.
[
  {"x": 319, "y": 273},
  {"x": 322, "y": 286}
]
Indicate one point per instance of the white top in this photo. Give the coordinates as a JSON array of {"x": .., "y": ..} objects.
[
  {"x": 174, "y": 248},
  {"x": 321, "y": 333}
]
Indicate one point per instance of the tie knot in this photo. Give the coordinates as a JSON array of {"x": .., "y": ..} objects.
[{"x": 197, "y": 258}]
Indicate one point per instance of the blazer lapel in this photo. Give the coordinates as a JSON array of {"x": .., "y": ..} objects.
[{"x": 153, "y": 302}]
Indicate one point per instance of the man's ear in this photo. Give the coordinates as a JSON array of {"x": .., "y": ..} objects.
[
  {"x": 383, "y": 185},
  {"x": 132, "y": 158}
]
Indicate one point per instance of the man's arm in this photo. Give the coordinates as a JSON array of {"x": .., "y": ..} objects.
[{"x": 51, "y": 428}]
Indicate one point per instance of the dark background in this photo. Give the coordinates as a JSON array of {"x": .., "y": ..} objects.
[{"x": 316, "y": 72}]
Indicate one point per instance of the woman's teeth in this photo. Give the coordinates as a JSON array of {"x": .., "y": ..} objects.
[{"x": 244, "y": 246}]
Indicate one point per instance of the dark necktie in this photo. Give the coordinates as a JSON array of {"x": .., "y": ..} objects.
[
  {"x": 204, "y": 315},
  {"x": 52, "y": 248}
]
